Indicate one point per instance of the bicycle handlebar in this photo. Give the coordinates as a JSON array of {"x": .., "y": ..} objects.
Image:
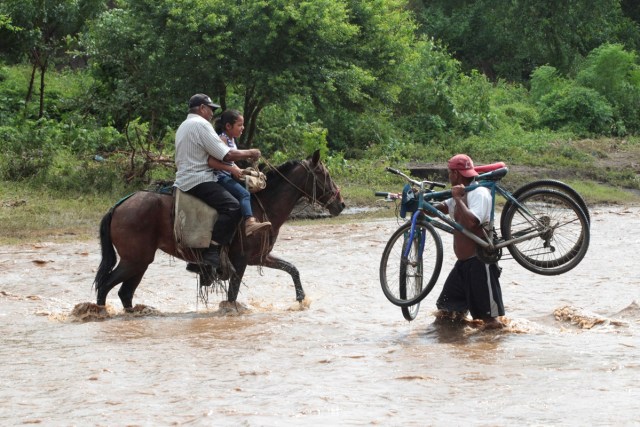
[{"x": 388, "y": 195}]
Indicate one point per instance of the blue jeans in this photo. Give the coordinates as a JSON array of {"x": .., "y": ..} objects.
[{"x": 239, "y": 192}]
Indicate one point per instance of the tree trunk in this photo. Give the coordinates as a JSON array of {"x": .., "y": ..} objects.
[
  {"x": 43, "y": 70},
  {"x": 222, "y": 90},
  {"x": 252, "y": 108},
  {"x": 253, "y": 123},
  {"x": 31, "y": 82}
]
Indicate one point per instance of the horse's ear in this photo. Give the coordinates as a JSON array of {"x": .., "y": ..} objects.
[{"x": 315, "y": 157}]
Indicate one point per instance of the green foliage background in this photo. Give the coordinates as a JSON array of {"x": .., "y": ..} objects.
[{"x": 92, "y": 91}]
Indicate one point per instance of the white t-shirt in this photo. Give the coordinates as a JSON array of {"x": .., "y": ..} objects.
[
  {"x": 196, "y": 140},
  {"x": 478, "y": 202}
]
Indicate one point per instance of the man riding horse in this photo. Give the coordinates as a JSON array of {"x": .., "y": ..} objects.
[{"x": 196, "y": 140}]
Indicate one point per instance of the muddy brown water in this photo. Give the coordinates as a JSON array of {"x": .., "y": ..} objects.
[{"x": 570, "y": 355}]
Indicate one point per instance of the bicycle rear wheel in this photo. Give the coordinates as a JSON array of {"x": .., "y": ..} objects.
[
  {"x": 551, "y": 184},
  {"x": 409, "y": 268},
  {"x": 565, "y": 232}
]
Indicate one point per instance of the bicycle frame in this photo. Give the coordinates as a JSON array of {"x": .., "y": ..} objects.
[
  {"x": 443, "y": 222},
  {"x": 543, "y": 227}
]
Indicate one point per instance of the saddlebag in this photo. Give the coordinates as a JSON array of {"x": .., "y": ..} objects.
[{"x": 193, "y": 220}]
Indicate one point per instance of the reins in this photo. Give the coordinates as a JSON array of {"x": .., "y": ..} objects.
[{"x": 312, "y": 197}]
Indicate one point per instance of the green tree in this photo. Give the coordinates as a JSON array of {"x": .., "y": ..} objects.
[
  {"x": 615, "y": 74},
  {"x": 153, "y": 54},
  {"x": 510, "y": 38},
  {"x": 40, "y": 30},
  {"x": 631, "y": 9}
]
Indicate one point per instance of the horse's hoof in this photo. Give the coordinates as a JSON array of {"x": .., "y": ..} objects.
[
  {"x": 232, "y": 307},
  {"x": 141, "y": 310},
  {"x": 91, "y": 311},
  {"x": 301, "y": 305}
]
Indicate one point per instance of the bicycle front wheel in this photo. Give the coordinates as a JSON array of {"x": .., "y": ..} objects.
[
  {"x": 410, "y": 265},
  {"x": 410, "y": 313},
  {"x": 558, "y": 227}
]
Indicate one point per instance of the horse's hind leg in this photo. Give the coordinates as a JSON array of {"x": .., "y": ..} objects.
[
  {"x": 118, "y": 275},
  {"x": 280, "y": 264},
  {"x": 128, "y": 288},
  {"x": 125, "y": 274}
]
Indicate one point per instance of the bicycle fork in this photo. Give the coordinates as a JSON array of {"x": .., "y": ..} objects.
[{"x": 409, "y": 239}]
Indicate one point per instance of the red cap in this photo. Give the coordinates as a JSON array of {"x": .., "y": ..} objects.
[{"x": 463, "y": 164}]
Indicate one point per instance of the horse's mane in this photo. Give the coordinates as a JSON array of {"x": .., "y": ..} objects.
[{"x": 275, "y": 176}]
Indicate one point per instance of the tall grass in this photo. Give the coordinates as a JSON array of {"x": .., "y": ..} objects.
[{"x": 30, "y": 214}]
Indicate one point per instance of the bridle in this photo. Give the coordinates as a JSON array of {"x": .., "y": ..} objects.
[
  {"x": 313, "y": 198},
  {"x": 335, "y": 193}
]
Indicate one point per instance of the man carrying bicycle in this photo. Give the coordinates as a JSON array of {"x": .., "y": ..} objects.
[{"x": 472, "y": 286}]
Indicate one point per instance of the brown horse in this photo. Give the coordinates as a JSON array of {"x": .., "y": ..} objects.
[{"x": 142, "y": 223}]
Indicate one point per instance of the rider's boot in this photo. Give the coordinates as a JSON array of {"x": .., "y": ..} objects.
[
  {"x": 193, "y": 267},
  {"x": 251, "y": 225},
  {"x": 211, "y": 256}
]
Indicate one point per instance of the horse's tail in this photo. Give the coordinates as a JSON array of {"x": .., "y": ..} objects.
[{"x": 108, "y": 252}]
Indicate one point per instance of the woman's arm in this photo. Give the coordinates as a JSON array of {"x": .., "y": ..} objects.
[{"x": 233, "y": 169}]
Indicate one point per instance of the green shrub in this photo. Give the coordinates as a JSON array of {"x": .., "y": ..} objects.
[
  {"x": 614, "y": 73},
  {"x": 545, "y": 80},
  {"x": 426, "y": 108},
  {"x": 472, "y": 104},
  {"x": 519, "y": 114},
  {"x": 25, "y": 151},
  {"x": 511, "y": 105},
  {"x": 69, "y": 173},
  {"x": 581, "y": 110}
]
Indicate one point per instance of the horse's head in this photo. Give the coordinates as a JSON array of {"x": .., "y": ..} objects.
[{"x": 321, "y": 187}]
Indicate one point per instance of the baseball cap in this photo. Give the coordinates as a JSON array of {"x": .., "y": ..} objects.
[
  {"x": 200, "y": 98},
  {"x": 463, "y": 164}
]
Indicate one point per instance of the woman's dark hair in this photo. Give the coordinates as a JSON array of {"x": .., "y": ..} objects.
[{"x": 227, "y": 117}]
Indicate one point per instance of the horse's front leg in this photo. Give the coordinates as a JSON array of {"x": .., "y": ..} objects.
[{"x": 271, "y": 261}]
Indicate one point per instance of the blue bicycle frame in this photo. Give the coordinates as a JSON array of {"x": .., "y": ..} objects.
[{"x": 443, "y": 222}]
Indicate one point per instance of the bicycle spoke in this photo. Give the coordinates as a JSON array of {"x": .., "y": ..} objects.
[
  {"x": 558, "y": 230},
  {"x": 409, "y": 267}
]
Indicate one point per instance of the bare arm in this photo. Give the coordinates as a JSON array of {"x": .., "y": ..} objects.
[
  {"x": 235, "y": 155},
  {"x": 463, "y": 246},
  {"x": 442, "y": 207},
  {"x": 463, "y": 215},
  {"x": 233, "y": 169}
]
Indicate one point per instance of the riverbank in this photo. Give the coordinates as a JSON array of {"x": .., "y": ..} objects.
[{"x": 608, "y": 175}]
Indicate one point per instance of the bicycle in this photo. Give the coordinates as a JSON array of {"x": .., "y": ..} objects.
[{"x": 544, "y": 225}]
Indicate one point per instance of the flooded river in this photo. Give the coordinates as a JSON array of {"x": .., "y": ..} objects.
[{"x": 569, "y": 356}]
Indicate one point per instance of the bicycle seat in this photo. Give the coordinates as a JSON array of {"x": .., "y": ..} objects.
[
  {"x": 494, "y": 175},
  {"x": 490, "y": 167}
]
